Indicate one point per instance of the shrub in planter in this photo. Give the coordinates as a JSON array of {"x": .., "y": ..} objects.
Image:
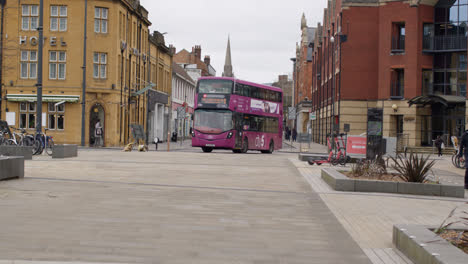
[{"x": 416, "y": 168}]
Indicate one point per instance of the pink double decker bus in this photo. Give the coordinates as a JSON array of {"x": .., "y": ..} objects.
[{"x": 237, "y": 115}]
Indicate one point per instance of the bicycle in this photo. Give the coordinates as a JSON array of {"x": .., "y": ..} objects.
[
  {"x": 458, "y": 161},
  {"x": 45, "y": 142}
]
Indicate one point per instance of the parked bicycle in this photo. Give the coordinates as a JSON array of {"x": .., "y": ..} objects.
[
  {"x": 44, "y": 143},
  {"x": 458, "y": 161}
]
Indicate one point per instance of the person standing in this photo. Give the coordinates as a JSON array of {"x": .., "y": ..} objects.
[
  {"x": 464, "y": 151},
  {"x": 294, "y": 134},
  {"x": 98, "y": 134},
  {"x": 438, "y": 143}
]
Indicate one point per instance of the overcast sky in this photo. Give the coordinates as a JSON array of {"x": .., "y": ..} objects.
[{"x": 263, "y": 32}]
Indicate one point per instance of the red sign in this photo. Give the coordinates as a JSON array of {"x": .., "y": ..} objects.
[{"x": 356, "y": 145}]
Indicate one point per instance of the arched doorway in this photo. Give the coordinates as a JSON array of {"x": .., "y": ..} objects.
[{"x": 96, "y": 113}]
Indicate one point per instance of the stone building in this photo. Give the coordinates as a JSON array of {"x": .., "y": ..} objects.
[
  {"x": 184, "y": 57},
  {"x": 408, "y": 58},
  {"x": 159, "y": 101},
  {"x": 183, "y": 96},
  {"x": 287, "y": 86},
  {"x": 228, "y": 61},
  {"x": 303, "y": 77},
  {"x": 116, "y": 68}
]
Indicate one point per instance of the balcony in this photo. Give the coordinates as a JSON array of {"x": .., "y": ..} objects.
[
  {"x": 397, "y": 91},
  {"x": 444, "y": 43},
  {"x": 398, "y": 44}
]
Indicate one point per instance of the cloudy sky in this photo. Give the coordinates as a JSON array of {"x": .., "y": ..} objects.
[{"x": 263, "y": 32}]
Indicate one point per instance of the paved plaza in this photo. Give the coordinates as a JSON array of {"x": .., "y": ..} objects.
[{"x": 185, "y": 206}]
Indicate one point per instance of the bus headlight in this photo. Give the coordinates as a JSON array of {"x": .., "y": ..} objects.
[
  {"x": 193, "y": 133},
  {"x": 230, "y": 135}
]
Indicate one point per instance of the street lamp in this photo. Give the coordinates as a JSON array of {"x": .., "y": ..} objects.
[{"x": 332, "y": 41}]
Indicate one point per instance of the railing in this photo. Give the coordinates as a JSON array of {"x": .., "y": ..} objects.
[
  {"x": 397, "y": 90},
  {"x": 398, "y": 44},
  {"x": 440, "y": 43}
]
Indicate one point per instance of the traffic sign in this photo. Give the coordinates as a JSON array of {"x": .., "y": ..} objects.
[
  {"x": 291, "y": 113},
  {"x": 180, "y": 112}
]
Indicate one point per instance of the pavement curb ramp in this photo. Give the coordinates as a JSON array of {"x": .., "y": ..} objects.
[
  {"x": 339, "y": 182},
  {"x": 422, "y": 246}
]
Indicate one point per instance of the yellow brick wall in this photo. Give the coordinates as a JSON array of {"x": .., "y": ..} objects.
[{"x": 105, "y": 92}]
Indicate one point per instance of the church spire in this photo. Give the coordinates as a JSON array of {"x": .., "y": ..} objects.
[{"x": 228, "y": 64}]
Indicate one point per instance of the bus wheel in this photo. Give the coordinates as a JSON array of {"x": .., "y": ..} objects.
[
  {"x": 207, "y": 150},
  {"x": 245, "y": 146},
  {"x": 270, "y": 149}
]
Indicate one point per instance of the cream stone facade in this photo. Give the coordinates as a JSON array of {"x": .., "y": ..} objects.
[{"x": 117, "y": 67}]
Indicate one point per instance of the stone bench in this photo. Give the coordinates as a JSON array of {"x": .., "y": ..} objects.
[
  {"x": 17, "y": 151},
  {"x": 11, "y": 167},
  {"x": 64, "y": 151}
]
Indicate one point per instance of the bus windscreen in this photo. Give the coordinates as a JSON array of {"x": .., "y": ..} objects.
[
  {"x": 215, "y": 86},
  {"x": 212, "y": 121}
]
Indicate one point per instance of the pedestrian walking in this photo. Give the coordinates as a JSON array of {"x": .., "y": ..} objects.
[
  {"x": 98, "y": 134},
  {"x": 464, "y": 151},
  {"x": 287, "y": 133},
  {"x": 294, "y": 134},
  {"x": 439, "y": 143}
]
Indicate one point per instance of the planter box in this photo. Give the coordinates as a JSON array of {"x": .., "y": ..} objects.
[
  {"x": 422, "y": 246},
  {"x": 17, "y": 151},
  {"x": 64, "y": 151},
  {"x": 340, "y": 182},
  {"x": 11, "y": 167}
]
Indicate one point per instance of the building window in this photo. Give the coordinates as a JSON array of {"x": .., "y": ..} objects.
[
  {"x": 100, "y": 65},
  {"x": 56, "y": 116},
  {"x": 100, "y": 19},
  {"x": 28, "y": 64},
  {"x": 58, "y": 18},
  {"x": 398, "y": 84},
  {"x": 27, "y": 115},
  {"x": 398, "y": 37},
  {"x": 29, "y": 17},
  {"x": 57, "y": 65}
]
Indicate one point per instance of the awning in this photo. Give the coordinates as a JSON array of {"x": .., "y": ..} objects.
[
  {"x": 140, "y": 92},
  {"x": 445, "y": 100},
  {"x": 45, "y": 98}
]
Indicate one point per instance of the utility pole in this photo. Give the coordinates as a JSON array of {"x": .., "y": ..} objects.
[
  {"x": 83, "y": 100},
  {"x": 40, "y": 59}
]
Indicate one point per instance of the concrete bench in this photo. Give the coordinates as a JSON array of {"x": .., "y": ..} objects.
[
  {"x": 11, "y": 167},
  {"x": 17, "y": 151},
  {"x": 64, "y": 151}
]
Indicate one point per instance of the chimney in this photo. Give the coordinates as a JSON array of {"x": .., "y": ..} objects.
[
  {"x": 172, "y": 49},
  {"x": 197, "y": 51},
  {"x": 207, "y": 60}
]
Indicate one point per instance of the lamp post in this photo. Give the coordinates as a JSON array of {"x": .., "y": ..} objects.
[
  {"x": 332, "y": 41},
  {"x": 39, "y": 69}
]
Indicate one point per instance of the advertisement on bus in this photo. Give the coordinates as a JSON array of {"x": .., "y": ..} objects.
[{"x": 264, "y": 107}]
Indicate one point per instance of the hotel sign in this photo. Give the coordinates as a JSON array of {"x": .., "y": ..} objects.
[{"x": 34, "y": 41}]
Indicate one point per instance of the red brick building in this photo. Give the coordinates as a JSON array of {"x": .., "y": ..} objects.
[{"x": 408, "y": 58}]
